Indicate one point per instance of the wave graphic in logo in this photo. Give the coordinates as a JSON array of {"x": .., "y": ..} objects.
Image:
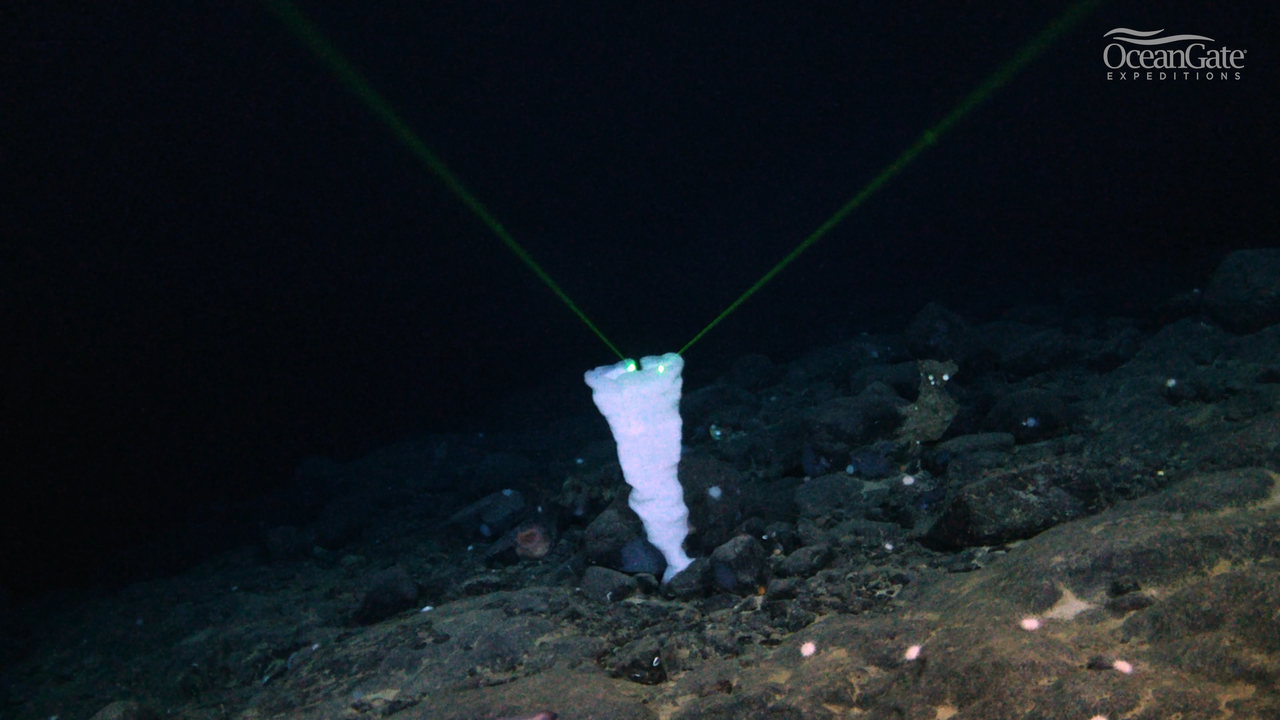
[{"x": 1145, "y": 37}]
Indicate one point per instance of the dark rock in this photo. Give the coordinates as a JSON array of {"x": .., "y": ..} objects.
[
  {"x": 482, "y": 585},
  {"x": 939, "y": 334},
  {"x": 286, "y": 543},
  {"x": 812, "y": 463},
  {"x": 490, "y": 516},
  {"x": 502, "y": 552},
  {"x": 788, "y": 616},
  {"x": 903, "y": 378},
  {"x": 639, "y": 555},
  {"x": 740, "y": 565},
  {"x": 1119, "y": 343},
  {"x": 1006, "y": 507},
  {"x": 1187, "y": 389},
  {"x": 1182, "y": 305},
  {"x": 607, "y": 586},
  {"x": 126, "y": 710},
  {"x": 1213, "y": 492},
  {"x": 614, "y": 529},
  {"x": 752, "y": 372},
  {"x": 1029, "y": 415},
  {"x": 647, "y": 583},
  {"x": 782, "y": 589},
  {"x": 978, "y": 442},
  {"x": 496, "y": 471},
  {"x": 874, "y": 461},
  {"x": 806, "y": 561},
  {"x": 1038, "y": 352},
  {"x": 641, "y": 661},
  {"x": 822, "y": 495},
  {"x": 418, "y": 460},
  {"x": 713, "y": 494},
  {"x": 344, "y": 519},
  {"x": 968, "y": 455},
  {"x": 690, "y": 583},
  {"x": 722, "y": 404},
  {"x": 825, "y": 367},
  {"x": 781, "y": 536},
  {"x": 969, "y": 467},
  {"x": 1244, "y": 292},
  {"x": 1129, "y": 603},
  {"x": 1268, "y": 376},
  {"x": 1208, "y": 611},
  {"x": 857, "y": 420},
  {"x": 391, "y": 591},
  {"x": 1118, "y": 588}
]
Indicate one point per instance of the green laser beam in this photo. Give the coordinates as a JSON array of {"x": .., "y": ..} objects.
[
  {"x": 1069, "y": 18},
  {"x": 329, "y": 55},
  {"x": 311, "y": 36}
]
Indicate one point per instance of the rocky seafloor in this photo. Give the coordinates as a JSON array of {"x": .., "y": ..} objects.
[{"x": 1045, "y": 516}]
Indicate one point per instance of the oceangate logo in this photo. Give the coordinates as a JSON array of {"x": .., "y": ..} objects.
[{"x": 1189, "y": 58}]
